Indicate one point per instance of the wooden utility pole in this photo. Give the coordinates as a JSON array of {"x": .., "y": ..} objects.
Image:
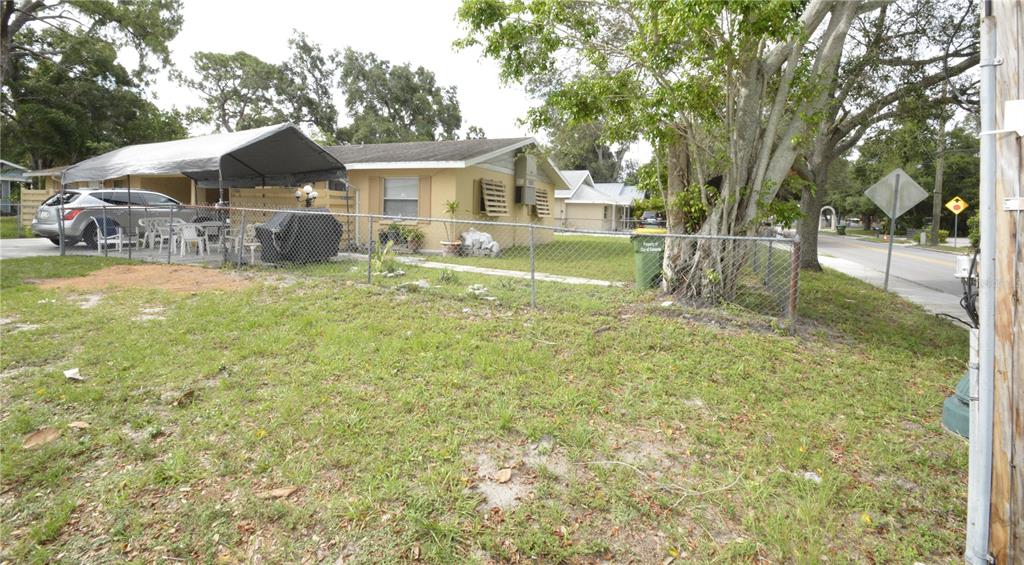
[{"x": 1006, "y": 533}]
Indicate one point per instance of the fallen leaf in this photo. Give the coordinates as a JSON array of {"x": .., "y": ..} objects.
[
  {"x": 39, "y": 437},
  {"x": 73, "y": 375},
  {"x": 504, "y": 475},
  {"x": 185, "y": 399},
  {"x": 78, "y": 425},
  {"x": 283, "y": 492},
  {"x": 416, "y": 552}
]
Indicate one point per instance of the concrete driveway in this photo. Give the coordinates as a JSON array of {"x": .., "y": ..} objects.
[{"x": 28, "y": 247}]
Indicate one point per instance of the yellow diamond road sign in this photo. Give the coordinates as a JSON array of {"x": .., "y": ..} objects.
[{"x": 956, "y": 205}]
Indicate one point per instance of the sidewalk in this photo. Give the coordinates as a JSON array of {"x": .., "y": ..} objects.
[{"x": 931, "y": 300}]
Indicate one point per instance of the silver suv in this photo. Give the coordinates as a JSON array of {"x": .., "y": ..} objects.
[{"x": 81, "y": 206}]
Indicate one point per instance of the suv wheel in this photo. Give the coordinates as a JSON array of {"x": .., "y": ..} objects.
[{"x": 89, "y": 236}]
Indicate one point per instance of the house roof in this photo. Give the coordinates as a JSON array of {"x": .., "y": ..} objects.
[
  {"x": 274, "y": 155},
  {"x": 12, "y": 171},
  {"x": 448, "y": 154},
  {"x": 616, "y": 193},
  {"x": 51, "y": 172},
  {"x": 575, "y": 180},
  {"x": 456, "y": 154}
]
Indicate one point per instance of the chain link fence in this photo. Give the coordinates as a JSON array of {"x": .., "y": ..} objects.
[
  {"x": 536, "y": 263},
  {"x": 12, "y": 222}
]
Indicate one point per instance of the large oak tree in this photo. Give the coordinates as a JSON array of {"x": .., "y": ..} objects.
[{"x": 729, "y": 88}]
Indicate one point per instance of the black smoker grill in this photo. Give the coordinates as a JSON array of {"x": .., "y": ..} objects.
[{"x": 299, "y": 237}]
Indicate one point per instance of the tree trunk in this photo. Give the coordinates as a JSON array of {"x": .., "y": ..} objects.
[
  {"x": 698, "y": 269},
  {"x": 810, "y": 206}
]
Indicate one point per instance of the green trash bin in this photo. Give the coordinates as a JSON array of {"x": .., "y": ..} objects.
[
  {"x": 648, "y": 253},
  {"x": 841, "y": 229}
]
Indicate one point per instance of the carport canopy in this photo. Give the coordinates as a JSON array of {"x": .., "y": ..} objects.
[{"x": 278, "y": 155}]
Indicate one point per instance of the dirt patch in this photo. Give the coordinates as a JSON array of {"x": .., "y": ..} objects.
[
  {"x": 153, "y": 313},
  {"x": 175, "y": 278},
  {"x": 90, "y": 301},
  {"x": 524, "y": 461}
]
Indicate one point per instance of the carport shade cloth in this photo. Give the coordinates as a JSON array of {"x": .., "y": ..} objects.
[{"x": 279, "y": 155}]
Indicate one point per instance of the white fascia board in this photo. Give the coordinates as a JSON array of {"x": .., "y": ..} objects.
[
  {"x": 592, "y": 202},
  {"x": 496, "y": 152},
  {"x": 408, "y": 165}
]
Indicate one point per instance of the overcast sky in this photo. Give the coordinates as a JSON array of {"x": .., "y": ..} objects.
[{"x": 401, "y": 31}]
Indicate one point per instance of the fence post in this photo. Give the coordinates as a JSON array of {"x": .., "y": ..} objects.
[
  {"x": 225, "y": 217},
  {"x": 768, "y": 264},
  {"x": 104, "y": 212},
  {"x": 170, "y": 233},
  {"x": 240, "y": 243},
  {"x": 369, "y": 252},
  {"x": 794, "y": 279},
  {"x": 533, "y": 270}
]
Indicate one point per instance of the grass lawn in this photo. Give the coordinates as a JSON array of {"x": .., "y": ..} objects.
[
  {"x": 631, "y": 431},
  {"x": 9, "y": 228},
  {"x": 594, "y": 257}
]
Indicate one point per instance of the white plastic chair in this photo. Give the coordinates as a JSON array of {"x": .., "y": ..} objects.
[
  {"x": 240, "y": 242},
  {"x": 109, "y": 232},
  {"x": 189, "y": 234}
]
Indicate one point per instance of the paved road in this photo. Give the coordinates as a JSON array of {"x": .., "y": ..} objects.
[{"x": 920, "y": 275}]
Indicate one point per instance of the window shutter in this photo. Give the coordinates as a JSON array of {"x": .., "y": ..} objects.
[
  {"x": 494, "y": 196},
  {"x": 424, "y": 198},
  {"x": 543, "y": 205},
  {"x": 374, "y": 195}
]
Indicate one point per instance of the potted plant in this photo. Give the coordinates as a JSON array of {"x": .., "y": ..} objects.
[
  {"x": 392, "y": 232},
  {"x": 414, "y": 237},
  {"x": 452, "y": 245}
]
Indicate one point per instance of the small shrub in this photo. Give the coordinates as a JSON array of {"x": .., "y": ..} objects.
[
  {"x": 448, "y": 276},
  {"x": 384, "y": 259}
]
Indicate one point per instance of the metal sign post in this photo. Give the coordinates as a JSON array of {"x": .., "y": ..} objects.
[
  {"x": 956, "y": 205},
  {"x": 892, "y": 232}
]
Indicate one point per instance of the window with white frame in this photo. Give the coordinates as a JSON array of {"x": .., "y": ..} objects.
[{"x": 401, "y": 196}]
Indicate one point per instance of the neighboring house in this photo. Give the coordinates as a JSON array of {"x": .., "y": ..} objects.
[
  {"x": 594, "y": 206},
  {"x": 9, "y": 172}
]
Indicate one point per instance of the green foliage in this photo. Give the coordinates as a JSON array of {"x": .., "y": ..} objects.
[
  {"x": 239, "y": 91},
  {"x": 389, "y": 103},
  {"x": 448, "y": 277},
  {"x": 784, "y": 212},
  {"x": 582, "y": 147},
  {"x": 66, "y": 94},
  {"x": 974, "y": 233},
  {"x": 689, "y": 207},
  {"x": 451, "y": 208},
  {"x": 402, "y": 234},
  {"x": 654, "y": 203},
  {"x": 310, "y": 76},
  {"x": 609, "y": 62},
  {"x": 383, "y": 259}
]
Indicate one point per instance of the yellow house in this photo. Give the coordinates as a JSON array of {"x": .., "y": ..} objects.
[{"x": 484, "y": 176}]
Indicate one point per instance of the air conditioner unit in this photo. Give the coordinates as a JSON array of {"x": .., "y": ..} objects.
[
  {"x": 526, "y": 195},
  {"x": 526, "y": 170}
]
